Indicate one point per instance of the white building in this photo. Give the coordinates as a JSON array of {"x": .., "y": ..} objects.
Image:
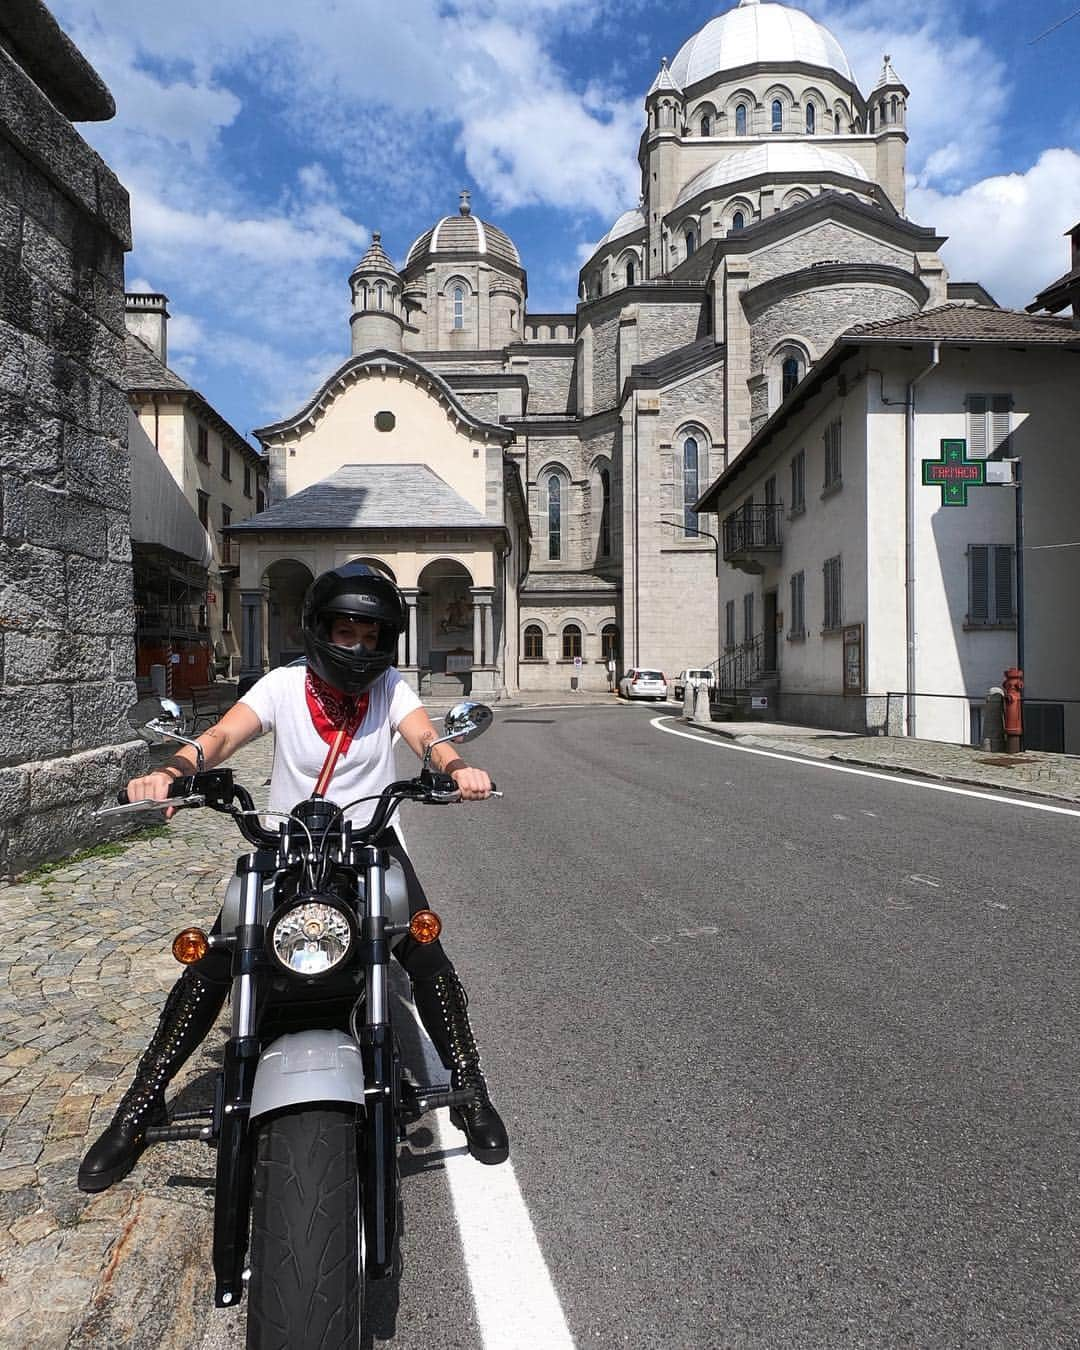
[{"x": 853, "y": 596}]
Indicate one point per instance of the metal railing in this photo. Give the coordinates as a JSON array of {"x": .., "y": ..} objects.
[
  {"x": 738, "y": 668},
  {"x": 753, "y": 529}
]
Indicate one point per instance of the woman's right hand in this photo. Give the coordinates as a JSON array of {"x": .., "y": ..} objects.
[{"x": 152, "y": 787}]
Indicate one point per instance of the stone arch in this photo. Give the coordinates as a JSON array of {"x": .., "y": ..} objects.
[
  {"x": 689, "y": 469},
  {"x": 795, "y": 198},
  {"x": 628, "y": 258},
  {"x": 733, "y": 208},
  {"x": 749, "y": 100},
  {"x": 602, "y": 514},
  {"x": 285, "y": 582},
  {"x": 377, "y": 564},
  {"x": 704, "y": 118},
  {"x": 445, "y": 623},
  {"x": 553, "y": 547},
  {"x": 782, "y": 95},
  {"x": 687, "y": 237},
  {"x": 458, "y": 300},
  {"x": 778, "y": 367}
]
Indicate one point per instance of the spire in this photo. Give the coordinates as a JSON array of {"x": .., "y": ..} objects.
[
  {"x": 465, "y": 208},
  {"x": 888, "y": 76},
  {"x": 663, "y": 79},
  {"x": 375, "y": 259}
]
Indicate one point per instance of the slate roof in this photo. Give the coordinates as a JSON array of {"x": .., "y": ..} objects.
[
  {"x": 1059, "y": 293},
  {"x": 373, "y": 497},
  {"x": 142, "y": 369},
  {"x": 968, "y": 323},
  {"x": 580, "y": 582}
]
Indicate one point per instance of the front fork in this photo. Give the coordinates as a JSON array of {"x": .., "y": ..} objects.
[{"x": 232, "y": 1104}]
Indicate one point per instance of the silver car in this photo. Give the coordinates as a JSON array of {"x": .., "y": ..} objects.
[{"x": 643, "y": 684}]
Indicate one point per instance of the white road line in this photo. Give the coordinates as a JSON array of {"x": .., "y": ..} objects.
[
  {"x": 516, "y": 1303},
  {"x": 901, "y": 780}
]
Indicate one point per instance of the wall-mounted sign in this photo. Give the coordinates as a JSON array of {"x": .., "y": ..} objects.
[
  {"x": 953, "y": 473},
  {"x": 853, "y": 658}
]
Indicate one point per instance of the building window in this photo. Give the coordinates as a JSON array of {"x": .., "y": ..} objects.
[
  {"x": 777, "y": 115},
  {"x": 599, "y": 283},
  {"x": 797, "y": 626},
  {"x": 247, "y": 480},
  {"x": 571, "y": 642},
  {"x": 811, "y": 117},
  {"x": 706, "y": 125},
  {"x": 771, "y": 532},
  {"x": 691, "y": 242},
  {"x": 380, "y": 294},
  {"x": 748, "y": 618},
  {"x": 204, "y": 509},
  {"x": 202, "y": 618},
  {"x": 833, "y": 466},
  {"x": 226, "y": 516},
  {"x": 833, "y": 593},
  {"x": 260, "y": 500},
  {"x": 894, "y": 105},
  {"x": 989, "y": 423},
  {"x": 459, "y": 307},
  {"x": 690, "y": 484},
  {"x": 729, "y": 625},
  {"x": 991, "y": 586},
  {"x": 738, "y": 222},
  {"x": 226, "y": 611},
  {"x": 226, "y": 463},
  {"x": 534, "y": 643},
  {"x": 790, "y": 375},
  {"x": 202, "y": 442},
  {"x": 798, "y": 482},
  {"x": 605, "y": 513},
  {"x": 630, "y": 272},
  {"x": 740, "y": 120},
  {"x": 609, "y": 643},
  {"x": 554, "y": 505}
]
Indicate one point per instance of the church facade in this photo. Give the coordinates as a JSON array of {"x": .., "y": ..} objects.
[{"x": 529, "y": 479}]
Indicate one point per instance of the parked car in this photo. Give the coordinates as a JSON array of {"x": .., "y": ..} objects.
[
  {"x": 643, "y": 684},
  {"x": 694, "y": 679}
]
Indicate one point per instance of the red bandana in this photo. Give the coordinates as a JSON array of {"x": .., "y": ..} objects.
[{"x": 331, "y": 710}]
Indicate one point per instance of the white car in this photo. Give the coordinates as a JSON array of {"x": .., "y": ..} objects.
[
  {"x": 638, "y": 683},
  {"x": 693, "y": 679}
]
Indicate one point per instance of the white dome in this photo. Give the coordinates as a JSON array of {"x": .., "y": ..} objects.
[
  {"x": 753, "y": 33},
  {"x": 811, "y": 161},
  {"x": 628, "y": 223}
]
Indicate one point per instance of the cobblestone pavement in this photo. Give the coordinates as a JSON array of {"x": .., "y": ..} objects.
[
  {"x": 1033, "y": 773},
  {"x": 85, "y": 964}
]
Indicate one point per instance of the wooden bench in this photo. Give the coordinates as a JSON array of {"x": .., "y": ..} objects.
[{"x": 209, "y": 701}]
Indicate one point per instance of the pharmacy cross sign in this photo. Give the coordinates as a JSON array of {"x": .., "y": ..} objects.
[{"x": 953, "y": 473}]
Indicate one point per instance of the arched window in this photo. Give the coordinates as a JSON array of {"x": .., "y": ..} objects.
[
  {"x": 895, "y": 104},
  {"x": 690, "y": 483},
  {"x": 630, "y": 272},
  {"x": 740, "y": 120},
  {"x": 790, "y": 374},
  {"x": 706, "y": 125},
  {"x": 605, "y": 513},
  {"x": 363, "y": 295},
  {"x": 554, "y": 505},
  {"x": 459, "y": 306},
  {"x": 691, "y": 242},
  {"x": 836, "y": 123},
  {"x": 599, "y": 283},
  {"x": 534, "y": 643},
  {"x": 738, "y": 221},
  {"x": 571, "y": 642},
  {"x": 380, "y": 294},
  {"x": 777, "y": 115},
  {"x": 609, "y": 642},
  {"x": 873, "y": 119},
  {"x": 810, "y": 119}
]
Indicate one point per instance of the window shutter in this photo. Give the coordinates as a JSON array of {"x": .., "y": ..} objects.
[
  {"x": 976, "y": 406},
  {"x": 978, "y": 584},
  {"x": 1000, "y": 421},
  {"x": 1003, "y": 584}
]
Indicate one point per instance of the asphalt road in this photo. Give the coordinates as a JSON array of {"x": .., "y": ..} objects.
[{"x": 788, "y": 1056}]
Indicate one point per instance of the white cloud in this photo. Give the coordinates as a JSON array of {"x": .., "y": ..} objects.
[{"x": 1006, "y": 231}]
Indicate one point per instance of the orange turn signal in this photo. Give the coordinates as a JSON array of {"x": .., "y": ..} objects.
[
  {"x": 190, "y": 945},
  {"x": 425, "y": 925}
]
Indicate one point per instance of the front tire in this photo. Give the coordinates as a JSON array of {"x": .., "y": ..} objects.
[{"x": 306, "y": 1289}]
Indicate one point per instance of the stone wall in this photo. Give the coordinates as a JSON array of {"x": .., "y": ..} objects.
[
  {"x": 67, "y": 658},
  {"x": 820, "y": 316},
  {"x": 550, "y": 381},
  {"x": 664, "y": 326},
  {"x": 827, "y": 242}
]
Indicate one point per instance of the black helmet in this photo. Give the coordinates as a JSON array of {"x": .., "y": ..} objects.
[{"x": 362, "y": 593}]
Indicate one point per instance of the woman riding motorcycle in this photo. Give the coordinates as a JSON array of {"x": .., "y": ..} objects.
[{"x": 351, "y": 620}]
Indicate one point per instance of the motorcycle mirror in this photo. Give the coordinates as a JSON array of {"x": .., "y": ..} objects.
[
  {"x": 154, "y": 709},
  {"x": 465, "y": 721}
]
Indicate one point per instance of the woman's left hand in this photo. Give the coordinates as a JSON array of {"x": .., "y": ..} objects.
[{"x": 473, "y": 784}]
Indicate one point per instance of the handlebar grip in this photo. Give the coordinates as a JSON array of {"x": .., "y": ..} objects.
[
  {"x": 493, "y": 785},
  {"x": 122, "y": 797}
]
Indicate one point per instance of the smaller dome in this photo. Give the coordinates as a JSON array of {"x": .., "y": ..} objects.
[
  {"x": 464, "y": 233},
  {"x": 628, "y": 223},
  {"x": 812, "y": 161}
]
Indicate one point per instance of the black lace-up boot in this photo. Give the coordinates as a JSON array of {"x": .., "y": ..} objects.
[
  {"x": 441, "y": 1002},
  {"x": 190, "y": 1011}
]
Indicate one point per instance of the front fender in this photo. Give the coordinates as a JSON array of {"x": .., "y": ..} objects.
[{"x": 307, "y": 1066}]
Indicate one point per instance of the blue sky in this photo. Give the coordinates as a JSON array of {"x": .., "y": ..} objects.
[{"x": 263, "y": 140}]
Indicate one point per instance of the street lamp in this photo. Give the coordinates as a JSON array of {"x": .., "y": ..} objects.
[{"x": 690, "y": 529}]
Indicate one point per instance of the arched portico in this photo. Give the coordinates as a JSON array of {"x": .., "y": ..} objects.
[{"x": 284, "y": 584}]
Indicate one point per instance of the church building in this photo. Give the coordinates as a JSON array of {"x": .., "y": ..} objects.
[{"x": 529, "y": 479}]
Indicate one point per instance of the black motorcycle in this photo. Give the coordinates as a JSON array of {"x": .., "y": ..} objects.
[{"x": 312, "y": 1102}]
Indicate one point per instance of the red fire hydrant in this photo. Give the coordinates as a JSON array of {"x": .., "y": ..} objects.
[{"x": 1012, "y": 687}]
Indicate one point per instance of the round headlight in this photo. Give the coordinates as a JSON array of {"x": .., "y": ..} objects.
[{"x": 312, "y": 938}]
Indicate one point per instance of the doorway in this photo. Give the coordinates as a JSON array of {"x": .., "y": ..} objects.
[{"x": 769, "y": 653}]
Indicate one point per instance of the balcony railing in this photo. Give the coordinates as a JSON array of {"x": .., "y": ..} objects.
[{"x": 750, "y": 532}]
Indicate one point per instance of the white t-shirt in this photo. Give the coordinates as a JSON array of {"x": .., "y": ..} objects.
[{"x": 279, "y": 702}]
